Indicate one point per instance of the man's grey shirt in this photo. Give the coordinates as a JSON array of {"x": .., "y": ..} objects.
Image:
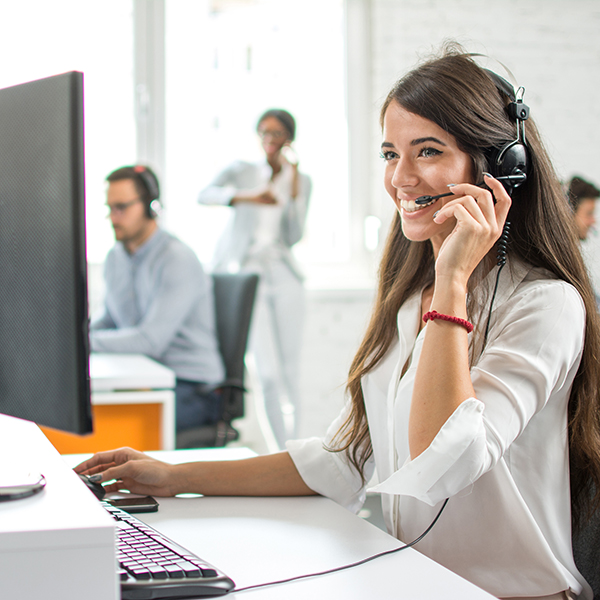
[{"x": 159, "y": 302}]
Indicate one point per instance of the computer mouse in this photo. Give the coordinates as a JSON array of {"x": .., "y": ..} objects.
[{"x": 96, "y": 488}]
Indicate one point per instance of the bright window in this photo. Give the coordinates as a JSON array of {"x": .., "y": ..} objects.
[
  {"x": 40, "y": 39},
  {"x": 227, "y": 62}
]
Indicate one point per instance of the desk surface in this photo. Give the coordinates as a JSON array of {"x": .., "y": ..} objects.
[
  {"x": 258, "y": 540},
  {"x": 112, "y": 372}
]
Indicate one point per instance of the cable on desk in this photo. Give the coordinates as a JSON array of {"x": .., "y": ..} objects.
[{"x": 349, "y": 566}]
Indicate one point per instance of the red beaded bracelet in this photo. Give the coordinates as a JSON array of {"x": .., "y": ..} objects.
[{"x": 432, "y": 315}]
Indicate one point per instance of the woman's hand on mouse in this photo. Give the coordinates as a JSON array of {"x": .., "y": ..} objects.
[
  {"x": 479, "y": 224},
  {"x": 132, "y": 470}
]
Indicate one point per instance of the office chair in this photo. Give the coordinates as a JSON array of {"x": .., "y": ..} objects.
[
  {"x": 234, "y": 300},
  {"x": 586, "y": 552}
]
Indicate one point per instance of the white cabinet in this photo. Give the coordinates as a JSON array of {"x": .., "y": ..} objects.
[{"x": 59, "y": 543}]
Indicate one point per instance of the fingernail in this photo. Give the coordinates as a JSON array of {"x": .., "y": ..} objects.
[
  {"x": 436, "y": 213},
  {"x": 451, "y": 185},
  {"x": 95, "y": 478},
  {"x": 487, "y": 175}
]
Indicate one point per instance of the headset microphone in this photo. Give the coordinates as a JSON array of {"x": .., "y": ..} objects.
[{"x": 507, "y": 180}]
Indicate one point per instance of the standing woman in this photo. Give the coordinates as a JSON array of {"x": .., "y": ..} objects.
[
  {"x": 269, "y": 200},
  {"x": 475, "y": 391}
]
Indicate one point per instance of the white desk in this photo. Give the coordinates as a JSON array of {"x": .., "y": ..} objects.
[
  {"x": 135, "y": 379},
  {"x": 59, "y": 543},
  {"x": 129, "y": 372},
  {"x": 257, "y": 540}
]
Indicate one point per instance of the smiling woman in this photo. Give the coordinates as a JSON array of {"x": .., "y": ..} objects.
[
  {"x": 421, "y": 159},
  {"x": 463, "y": 394},
  {"x": 498, "y": 419}
]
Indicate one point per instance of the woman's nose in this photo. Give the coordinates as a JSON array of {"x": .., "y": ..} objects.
[{"x": 404, "y": 174}]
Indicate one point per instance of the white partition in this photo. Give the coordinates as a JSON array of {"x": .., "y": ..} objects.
[{"x": 59, "y": 543}]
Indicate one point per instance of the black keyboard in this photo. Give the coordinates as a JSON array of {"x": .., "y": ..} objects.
[{"x": 151, "y": 566}]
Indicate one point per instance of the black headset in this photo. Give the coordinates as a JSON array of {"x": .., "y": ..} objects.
[
  {"x": 150, "y": 184},
  {"x": 509, "y": 163}
]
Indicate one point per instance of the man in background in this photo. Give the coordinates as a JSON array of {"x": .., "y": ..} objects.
[
  {"x": 159, "y": 301},
  {"x": 582, "y": 197}
]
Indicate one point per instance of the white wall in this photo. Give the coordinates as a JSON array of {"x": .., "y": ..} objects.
[
  {"x": 551, "y": 46},
  {"x": 553, "y": 49},
  {"x": 335, "y": 323}
]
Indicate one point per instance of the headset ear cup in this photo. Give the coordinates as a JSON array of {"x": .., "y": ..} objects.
[
  {"x": 152, "y": 209},
  {"x": 150, "y": 182},
  {"x": 509, "y": 160}
]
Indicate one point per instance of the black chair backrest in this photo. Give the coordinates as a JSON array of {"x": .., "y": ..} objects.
[
  {"x": 586, "y": 552},
  {"x": 234, "y": 299}
]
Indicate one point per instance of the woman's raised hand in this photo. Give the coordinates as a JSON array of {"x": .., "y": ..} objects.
[
  {"x": 479, "y": 224},
  {"x": 290, "y": 155},
  {"x": 132, "y": 470}
]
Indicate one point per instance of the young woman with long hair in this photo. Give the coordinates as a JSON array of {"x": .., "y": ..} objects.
[{"x": 475, "y": 382}]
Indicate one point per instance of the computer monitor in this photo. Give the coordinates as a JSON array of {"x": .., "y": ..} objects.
[{"x": 44, "y": 344}]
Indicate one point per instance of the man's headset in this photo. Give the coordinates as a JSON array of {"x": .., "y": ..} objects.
[
  {"x": 509, "y": 163},
  {"x": 150, "y": 184}
]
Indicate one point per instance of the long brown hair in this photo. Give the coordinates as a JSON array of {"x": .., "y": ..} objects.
[{"x": 459, "y": 96}]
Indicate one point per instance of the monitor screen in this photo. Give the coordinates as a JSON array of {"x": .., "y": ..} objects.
[{"x": 44, "y": 345}]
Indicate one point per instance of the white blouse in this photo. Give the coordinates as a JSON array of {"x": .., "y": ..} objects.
[
  {"x": 501, "y": 458},
  {"x": 258, "y": 233}
]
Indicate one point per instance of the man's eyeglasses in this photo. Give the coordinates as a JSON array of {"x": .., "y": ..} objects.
[{"x": 120, "y": 207}]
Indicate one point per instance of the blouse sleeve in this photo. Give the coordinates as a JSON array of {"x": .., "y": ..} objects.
[
  {"x": 531, "y": 358},
  {"x": 221, "y": 190},
  {"x": 329, "y": 473}
]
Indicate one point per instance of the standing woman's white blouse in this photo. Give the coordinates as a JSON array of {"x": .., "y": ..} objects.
[
  {"x": 258, "y": 232},
  {"x": 501, "y": 458}
]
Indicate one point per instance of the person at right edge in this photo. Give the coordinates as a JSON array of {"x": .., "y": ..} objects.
[
  {"x": 476, "y": 389},
  {"x": 268, "y": 201},
  {"x": 582, "y": 196}
]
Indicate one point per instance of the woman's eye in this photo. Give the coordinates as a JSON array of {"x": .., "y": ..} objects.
[
  {"x": 388, "y": 155},
  {"x": 429, "y": 152}
]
